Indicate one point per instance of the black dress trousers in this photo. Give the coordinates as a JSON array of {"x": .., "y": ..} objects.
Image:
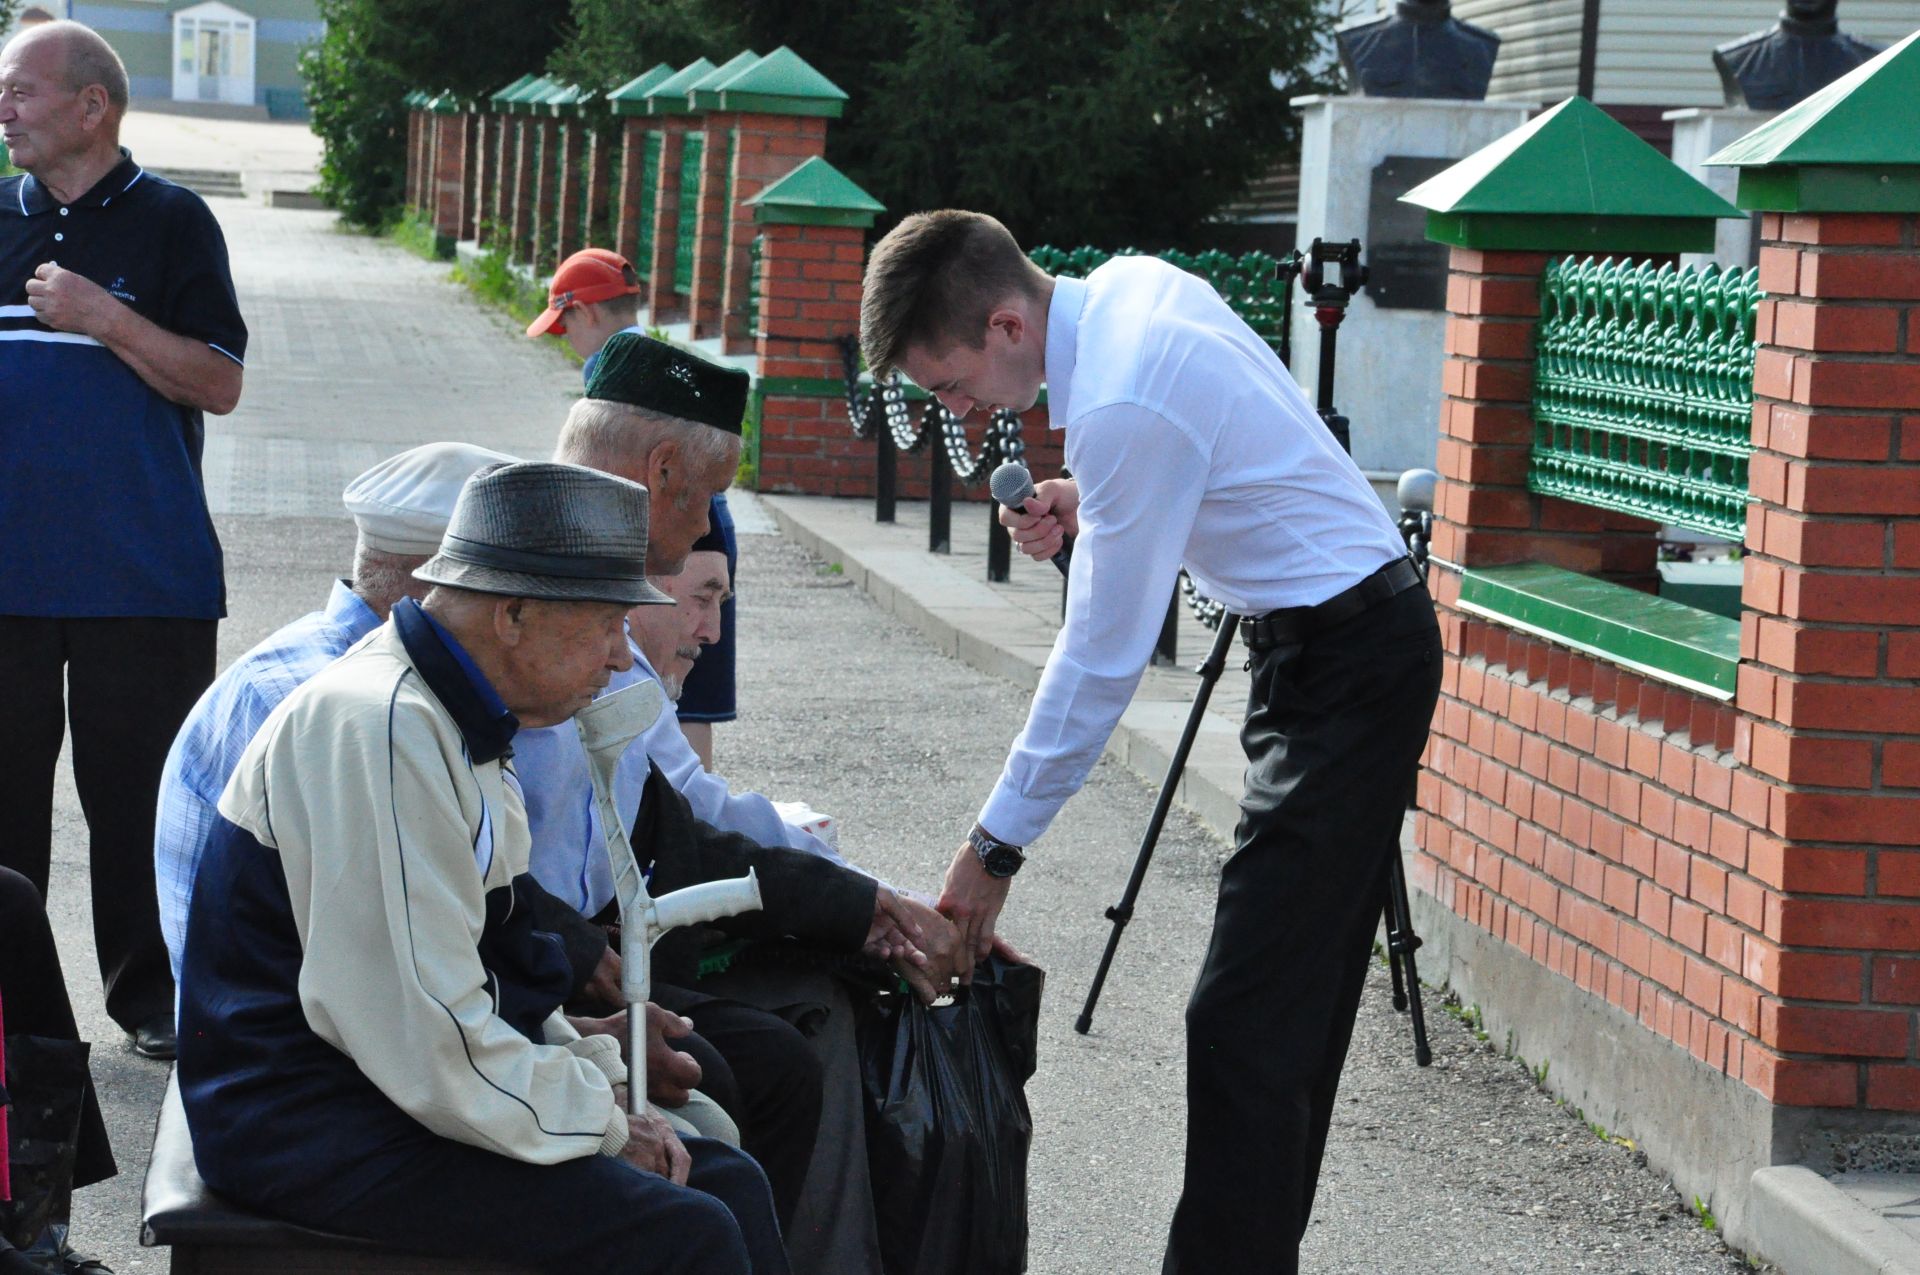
[
  {"x": 1335, "y": 727},
  {"x": 124, "y": 686}
]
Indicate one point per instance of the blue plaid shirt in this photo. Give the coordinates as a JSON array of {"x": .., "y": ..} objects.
[{"x": 219, "y": 729}]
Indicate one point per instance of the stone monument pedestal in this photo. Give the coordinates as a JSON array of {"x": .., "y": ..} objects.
[
  {"x": 1394, "y": 337},
  {"x": 1699, "y": 131}
]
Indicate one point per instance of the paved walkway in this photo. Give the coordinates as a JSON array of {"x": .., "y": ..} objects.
[{"x": 360, "y": 349}]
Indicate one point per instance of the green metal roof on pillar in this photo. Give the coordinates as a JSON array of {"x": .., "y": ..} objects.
[
  {"x": 415, "y": 100},
  {"x": 448, "y": 103},
  {"x": 1572, "y": 179},
  {"x": 525, "y": 99},
  {"x": 815, "y": 194},
  {"x": 500, "y": 99},
  {"x": 669, "y": 96},
  {"x": 631, "y": 98},
  {"x": 1844, "y": 149},
  {"x": 567, "y": 99},
  {"x": 782, "y": 83},
  {"x": 704, "y": 93}
]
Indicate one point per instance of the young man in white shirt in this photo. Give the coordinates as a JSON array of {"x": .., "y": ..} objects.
[{"x": 1191, "y": 445}]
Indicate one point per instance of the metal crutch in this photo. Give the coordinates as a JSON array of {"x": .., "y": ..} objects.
[{"x": 607, "y": 726}]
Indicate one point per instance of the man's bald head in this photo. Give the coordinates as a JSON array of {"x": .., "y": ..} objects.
[{"x": 85, "y": 58}]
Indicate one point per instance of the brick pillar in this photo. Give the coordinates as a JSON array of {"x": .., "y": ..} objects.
[
  {"x": 599, "y": 219},
  {"x": 521, "y": 205},
  {"x": 768, "y": 147},
  {"x": 569, "y": 198},
  {"x": 449, "y": 174},
  {"x": 804, "y": 439},
  {"x": 626, "y": 196},
  {"x": 1831, "y": 652},
  {"x": 415, "y": 169},
  {"x": 546, "y": 196},
  {"x": 664, "y": 304},
  {"x": 1484, "y": 514},
  {"x": 712, "y": 228},
  {"x": 473, "y": 134}
]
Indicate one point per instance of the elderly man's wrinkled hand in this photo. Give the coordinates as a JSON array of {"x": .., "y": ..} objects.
[
  {"x": 945, "y": 950},
  {"x": 671, "y": 1075},
  {"x": 603, "y": 989},
  {"x": 69, "y": 302},
  {"x": 653, "y": 1147},
  {"x": 895, "y": 932}
]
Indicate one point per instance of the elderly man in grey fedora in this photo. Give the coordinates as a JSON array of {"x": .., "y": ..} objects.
[{"x": 371, "y": 1041}]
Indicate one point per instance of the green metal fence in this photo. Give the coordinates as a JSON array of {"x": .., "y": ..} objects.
[
  {"x": 1643, "y": 391},
  {"x": 686, "y": 246},
  {"x": 1250, "y": 283},
  {"x": 649, "y": 200}
]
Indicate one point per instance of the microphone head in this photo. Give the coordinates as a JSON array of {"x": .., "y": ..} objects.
[{"x": 1011, "y": 484}]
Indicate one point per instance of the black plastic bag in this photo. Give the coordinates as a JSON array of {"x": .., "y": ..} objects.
[
  {"x": 47, "y": 1080},
  {"x": 947, "y": 1123}
]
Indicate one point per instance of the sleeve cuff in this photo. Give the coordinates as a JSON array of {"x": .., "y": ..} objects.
[
  {"x": 615, "y": 1140},
  {"x": 1014, "y": 819},
  {"x": 603, "y": 1052}
]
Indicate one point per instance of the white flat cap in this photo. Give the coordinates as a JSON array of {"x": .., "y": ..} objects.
[{"x": 403, "y": 504}]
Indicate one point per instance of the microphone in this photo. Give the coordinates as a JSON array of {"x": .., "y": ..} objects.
[{"x": 1012, "y": 486}]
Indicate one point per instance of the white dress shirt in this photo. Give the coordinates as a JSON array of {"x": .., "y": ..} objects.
[
  {"x": 569, "y": 853},
  {"x": 1193, "y": 446}
]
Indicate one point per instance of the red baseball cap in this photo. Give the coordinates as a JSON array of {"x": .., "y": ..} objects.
[{"x": 590, "y": 275}]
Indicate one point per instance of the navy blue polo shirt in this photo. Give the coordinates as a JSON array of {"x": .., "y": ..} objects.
[{"x": 102, "y": 509}]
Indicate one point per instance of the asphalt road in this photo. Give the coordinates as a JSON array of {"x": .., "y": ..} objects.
[{"x": 1464, "y": 1168}]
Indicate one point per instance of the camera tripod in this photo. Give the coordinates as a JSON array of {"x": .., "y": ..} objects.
[{"x": 1330, "y": 302}]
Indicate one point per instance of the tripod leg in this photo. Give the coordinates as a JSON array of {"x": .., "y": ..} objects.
[
  {"x": 1122, "y": 912},
  {"x": 1400, "y": 935}
]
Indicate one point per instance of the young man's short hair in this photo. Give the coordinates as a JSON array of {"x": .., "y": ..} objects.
[{"x": 934, "y": 280}]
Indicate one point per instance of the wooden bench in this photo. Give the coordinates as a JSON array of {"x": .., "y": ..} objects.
[{"x": 209, "y": 1236}]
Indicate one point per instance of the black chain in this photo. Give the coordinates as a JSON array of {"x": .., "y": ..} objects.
[
  {"x": 888, "y": 401},
  {"x": 1204, "y": 608},
  {"x": 1002, "y": 443}
]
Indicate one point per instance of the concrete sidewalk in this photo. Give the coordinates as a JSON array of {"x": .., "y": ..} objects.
[{"x": 1854, "y": 1223}]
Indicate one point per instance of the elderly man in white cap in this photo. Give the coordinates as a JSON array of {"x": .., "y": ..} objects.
[
  {"x": 371, "y": 1037},
  {"x": 400, "y": 509}
]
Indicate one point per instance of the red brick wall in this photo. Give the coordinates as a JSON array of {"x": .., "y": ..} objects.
[
  {"x": 806, "y": 443},
  {"x": 767, "y": 148},
  {"x": 449, "y": 173},
  {"x": 663, "y": 302},
  {"x": 1740, "y": 878}
]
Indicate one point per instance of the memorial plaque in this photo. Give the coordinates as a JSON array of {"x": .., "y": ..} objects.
[{"x": 1406, "y": 270}]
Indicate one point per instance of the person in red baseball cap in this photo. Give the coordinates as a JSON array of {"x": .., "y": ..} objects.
[{"x": 586, "y": 302}]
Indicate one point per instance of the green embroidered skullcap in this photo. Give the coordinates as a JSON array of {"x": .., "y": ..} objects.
[{"x": 661, "y": 378}]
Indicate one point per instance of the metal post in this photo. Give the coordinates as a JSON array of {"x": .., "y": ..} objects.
[
  {"x": 939, "y": 493},
  {"x": 999, "y": 546},
  {"x": 886, "y": 467}
]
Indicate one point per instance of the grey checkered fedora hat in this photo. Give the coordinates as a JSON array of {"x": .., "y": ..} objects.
[{"x": 540, "y": 529}]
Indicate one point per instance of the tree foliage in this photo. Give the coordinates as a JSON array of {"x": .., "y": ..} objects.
[
  {"x": 611, "y": 41},
  {"x": 1104, "y": 121},
  {"x": 376, "y": 51}
]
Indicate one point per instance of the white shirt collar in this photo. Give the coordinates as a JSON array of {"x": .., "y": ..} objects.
[{"x": 1063, "y": 328}]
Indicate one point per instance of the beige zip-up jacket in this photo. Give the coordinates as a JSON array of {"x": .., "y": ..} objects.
[{"x": 391, "y": 836}]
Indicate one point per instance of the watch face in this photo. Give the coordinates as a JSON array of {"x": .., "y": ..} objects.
[{"x": 1003, "y": 861}]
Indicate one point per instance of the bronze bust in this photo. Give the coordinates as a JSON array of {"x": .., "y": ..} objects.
[
  {"x": 1799, "y": 55},
  {"x": 1421, "y": 50}
]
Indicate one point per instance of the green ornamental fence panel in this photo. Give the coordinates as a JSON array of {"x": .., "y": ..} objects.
[
  {"x": 649, "y": 201},
  {"x": 1250, "y": 282},
  {"x": 685, "y": 245},
  {"x": 1643, "y": 391},
  {"x": 753, "y": 285}
]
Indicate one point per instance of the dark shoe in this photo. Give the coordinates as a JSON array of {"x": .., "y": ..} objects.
[{"x": 155, "y": 1039}]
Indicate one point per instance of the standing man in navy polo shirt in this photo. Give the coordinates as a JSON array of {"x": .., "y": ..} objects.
[{"x": 118, "y": 329}]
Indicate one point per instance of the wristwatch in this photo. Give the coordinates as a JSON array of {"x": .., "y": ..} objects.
[{"x": 997, "y": 857}]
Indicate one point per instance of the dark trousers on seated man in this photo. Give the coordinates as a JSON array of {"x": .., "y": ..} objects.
[
  {"x": 1335, "y": 726},
  {"x": 124, "y": 685}
]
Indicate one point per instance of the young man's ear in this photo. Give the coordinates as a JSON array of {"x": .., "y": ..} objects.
[{"x": 1008, "y": 322}]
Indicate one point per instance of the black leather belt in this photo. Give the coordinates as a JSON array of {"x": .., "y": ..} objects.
[{"x": 1297, "y": 624}]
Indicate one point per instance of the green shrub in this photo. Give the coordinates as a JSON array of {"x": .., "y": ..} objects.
[
  {"x": 414, "y": 231},
  {"x": 359, "y": 117}
]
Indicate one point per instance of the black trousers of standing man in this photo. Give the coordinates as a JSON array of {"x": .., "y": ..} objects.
[
  {"x": 125, "y": 685},
  {"x": 1335, "y": 725}
]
